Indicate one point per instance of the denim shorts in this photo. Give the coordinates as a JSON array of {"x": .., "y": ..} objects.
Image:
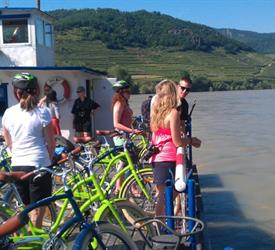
[
  {"x": 119, "y": 140},
  {"x": 161, "y": 171}
]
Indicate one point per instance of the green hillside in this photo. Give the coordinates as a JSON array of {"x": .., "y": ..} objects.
[
  {"x": 260, "y": 42},
  {"x": 224, "y": 65}
]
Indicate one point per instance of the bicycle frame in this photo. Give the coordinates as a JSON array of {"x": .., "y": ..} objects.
[
  {"x": 122, "y": 156},
  {"x": 77, "y": 218},
  {"x": 98, "y": 195}
]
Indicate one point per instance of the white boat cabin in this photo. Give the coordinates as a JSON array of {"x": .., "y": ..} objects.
[{"x": 27, "y": 45}]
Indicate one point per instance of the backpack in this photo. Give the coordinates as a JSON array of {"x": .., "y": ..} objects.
[{"x": 145, "y": 109}]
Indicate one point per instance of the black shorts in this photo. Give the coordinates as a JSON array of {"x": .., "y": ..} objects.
[
  {"x": 31, "y": 191},
  {"x": 161, "y": 171},
  {"x": 83, "y": 126}
]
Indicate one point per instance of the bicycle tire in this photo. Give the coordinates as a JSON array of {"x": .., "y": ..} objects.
[
  {"x": 111, "y": 236},
  {"x": 50, "y": 214},
  {"x": 140, "y": 200},
  {"x": 129, "y": 213}
]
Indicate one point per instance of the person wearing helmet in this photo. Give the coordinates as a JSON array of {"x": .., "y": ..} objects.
[
  {"x": 29, "y": 134},
  {"x": 122, "y": 117}
]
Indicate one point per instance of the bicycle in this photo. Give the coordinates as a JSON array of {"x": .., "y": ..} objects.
[
  {"x": 11, "y": 197},
  {"x": 90, "y": 236},
  {"x": 92, "y": 196},
  {"x": 120, "y": 211},
  {"x": 139, "y": 179}
]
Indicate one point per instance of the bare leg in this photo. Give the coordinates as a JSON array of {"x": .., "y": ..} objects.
[
  {"x": 119, "y": 181},
  {"x": 177, "y": 208},
  {"x": 160, "y": 207},
  {"x": 37, "y": 216}
]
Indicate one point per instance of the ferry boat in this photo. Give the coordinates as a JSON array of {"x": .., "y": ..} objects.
[{"x": 27, "y": 45}]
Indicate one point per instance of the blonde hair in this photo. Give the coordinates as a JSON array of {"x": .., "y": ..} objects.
[{"x": 165, "y": 100}]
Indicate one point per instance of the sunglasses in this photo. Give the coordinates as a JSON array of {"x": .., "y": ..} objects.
[{"x": 184, "y": 88}]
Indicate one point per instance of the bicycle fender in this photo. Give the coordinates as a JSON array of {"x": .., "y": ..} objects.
[
  {"x": 104, "y": 206},
  {"x": 144, "y": 170}
]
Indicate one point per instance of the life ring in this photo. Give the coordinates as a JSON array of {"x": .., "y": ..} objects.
[{"x": 65, "y": 85}]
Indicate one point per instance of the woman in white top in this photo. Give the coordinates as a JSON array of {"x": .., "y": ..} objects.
[{"x": 28, "y": 132}]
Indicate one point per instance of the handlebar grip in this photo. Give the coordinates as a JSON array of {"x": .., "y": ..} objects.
[
  {"x": 64, "y": 159},
  {"x": 13, "y": 224},
  {"x": 74, "y": 152},
  {"x": 77, "y": 150},
  {"x": 27, "y": 175}
]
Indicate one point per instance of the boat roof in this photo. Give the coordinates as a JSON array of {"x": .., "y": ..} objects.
[
  {"x": 27, "y": 10},
  {"x": 48, "y": 68}
]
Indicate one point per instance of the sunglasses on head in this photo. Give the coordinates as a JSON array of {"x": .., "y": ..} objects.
[{"x": 186, "y": 89}]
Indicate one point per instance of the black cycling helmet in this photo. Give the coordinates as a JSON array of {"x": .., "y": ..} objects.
[
  {"x": 121, "y": 85},
  {"x": 25, "y": 81}
]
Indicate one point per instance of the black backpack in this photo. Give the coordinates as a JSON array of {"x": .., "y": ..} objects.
[{"x": 145, "y": 109}]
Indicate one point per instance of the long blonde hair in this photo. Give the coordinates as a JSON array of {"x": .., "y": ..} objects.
[{"x": 165, "y": 100}]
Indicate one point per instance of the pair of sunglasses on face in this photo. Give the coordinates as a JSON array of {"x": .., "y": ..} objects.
[{"x": 184, "y": 88}]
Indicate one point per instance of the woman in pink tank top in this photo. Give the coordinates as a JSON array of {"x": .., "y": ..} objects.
[
  {"x": 122, "y": 117},
  {"x": 166, "y": 135}
]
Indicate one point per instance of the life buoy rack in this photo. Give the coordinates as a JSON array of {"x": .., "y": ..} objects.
[{"x": 65, "y": 85}]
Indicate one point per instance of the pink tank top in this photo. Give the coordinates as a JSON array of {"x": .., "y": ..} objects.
[{"x": 162, "y": 138}]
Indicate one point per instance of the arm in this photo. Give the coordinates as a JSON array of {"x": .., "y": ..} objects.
[
  {"x": 94, "y": 106},
  {"x": 7, "y": 138},
  {"x": 49, "y": 137},
  {"x": 42, "y": 101},
  {"x": 176, "y": 132},
  {"x": 56, "y": 110},
  {"x": 176, "y": 129}
]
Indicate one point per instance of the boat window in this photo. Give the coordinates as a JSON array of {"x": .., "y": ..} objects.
[
  {"x": 3, "y": 99},
  {"x": 39, "y": 32},
  {"x": 15, "y": 31},
  {"x": 48, "y": 35}
]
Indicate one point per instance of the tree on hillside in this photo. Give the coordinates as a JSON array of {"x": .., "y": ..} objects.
[
  {"x": 121, "y": 73},
  {"x": 201, "y": 84},
  {"x": 184, "y": 74}
]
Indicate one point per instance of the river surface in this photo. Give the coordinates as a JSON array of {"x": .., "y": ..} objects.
[{"x": 236, "y": 163}]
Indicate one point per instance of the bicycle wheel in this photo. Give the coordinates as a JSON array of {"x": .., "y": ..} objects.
[
  {"x": 128, "y": 213},
  {"x": 49, "y": 216},
  {"x": 133, "y": 192},
  {"x": 111, "y": 236}
]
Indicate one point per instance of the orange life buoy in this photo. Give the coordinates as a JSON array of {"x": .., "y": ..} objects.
[{"x": 64, "y": 84}]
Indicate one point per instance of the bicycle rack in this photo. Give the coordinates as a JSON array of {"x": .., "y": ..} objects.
[{"x": 175, "y": 239}]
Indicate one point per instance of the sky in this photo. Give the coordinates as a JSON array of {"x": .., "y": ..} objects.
[{"x": 251, "y": 15}]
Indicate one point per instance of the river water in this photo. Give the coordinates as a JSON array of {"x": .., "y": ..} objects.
[{"x": 236, "y": 163}]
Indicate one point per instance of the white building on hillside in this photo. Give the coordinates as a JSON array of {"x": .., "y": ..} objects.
[{"x": 27, "y": 45}]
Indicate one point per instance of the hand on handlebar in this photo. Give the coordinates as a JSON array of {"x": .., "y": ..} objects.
[{"x": 137, "y": 131}]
